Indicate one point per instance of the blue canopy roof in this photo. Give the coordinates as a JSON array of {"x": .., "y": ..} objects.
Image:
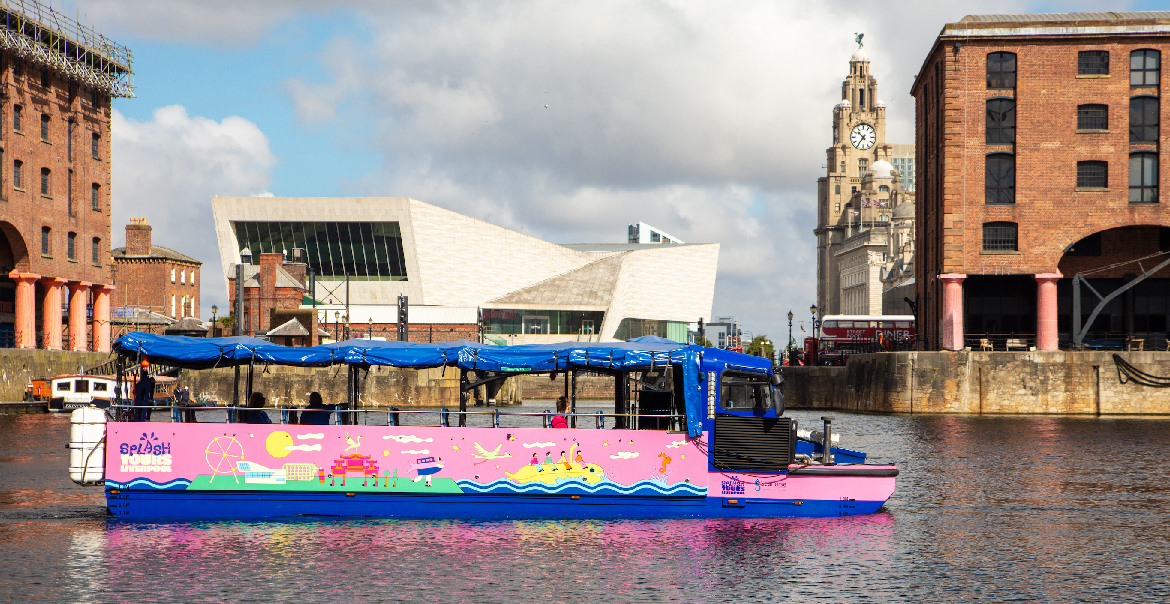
[{"x": 642, "y": 353}]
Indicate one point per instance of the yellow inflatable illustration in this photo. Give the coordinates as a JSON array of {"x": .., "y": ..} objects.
[{"x": 551, "y": 472}]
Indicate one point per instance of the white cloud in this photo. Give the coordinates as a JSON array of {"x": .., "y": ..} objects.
[
  {"x": 302, "y": 447},
  {"x": 317, "y": 435},
  {"x": 676, "y": 444},
  {"x": 624, "y": 455},
  {"x": 169, "y": 166},
  {"x": 542, "y": 445},
  {"x": 406, "y": 438},
  {"x": 418, "y": 452}
]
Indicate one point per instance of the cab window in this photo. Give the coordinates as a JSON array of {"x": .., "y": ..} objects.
[
  {"x": 63, "y": 387},
  {"x": 745, "y": 391}
]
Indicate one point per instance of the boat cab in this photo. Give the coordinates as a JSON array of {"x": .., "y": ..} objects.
[{"x": 69, "y": 392}]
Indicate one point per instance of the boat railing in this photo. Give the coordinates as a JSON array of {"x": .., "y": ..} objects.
[{"x": 383, "y": 416}]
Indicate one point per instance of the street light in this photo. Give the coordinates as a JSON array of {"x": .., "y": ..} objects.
[
  {"x": 371, "y": 328},
  {"x": 816, "y": 324},
  {"x": 337, "y": 324},
  {"x": 788, "y": 349},
  {"x": 214, "y": 309}
]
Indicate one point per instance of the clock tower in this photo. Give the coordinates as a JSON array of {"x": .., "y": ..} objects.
[{"x": 859, "y": 141}]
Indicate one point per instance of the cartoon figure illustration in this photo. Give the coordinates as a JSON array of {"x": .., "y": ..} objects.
[
  {"x": 353, "y": 444},
  {"x": 488, "y": 456},
  {"x": 535, "y": 462},
  {"x": 561, "y": 471},
  {"x": 578, "y": 458},
  {"x": 665, "y": 462},
  {"x": 426, "y": 466}
]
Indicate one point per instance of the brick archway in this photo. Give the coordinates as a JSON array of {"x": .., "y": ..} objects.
[{"x": 13, "y": 251}]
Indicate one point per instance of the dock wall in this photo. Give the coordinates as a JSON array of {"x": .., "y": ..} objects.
[{"x": 1050, "y": 382}]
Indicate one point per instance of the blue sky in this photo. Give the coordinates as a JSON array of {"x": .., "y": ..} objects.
[{"x": 708, "y": 120}]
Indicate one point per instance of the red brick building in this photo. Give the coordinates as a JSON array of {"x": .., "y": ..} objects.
[
  {"x": 154, "y": 278},
  {"x": 1039, "y": 157},
  {"x": 55, "y": 91},
  {"x": 275, "y": 284}
]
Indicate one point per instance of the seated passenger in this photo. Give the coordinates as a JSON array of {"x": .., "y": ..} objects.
[
  {"x": 315, "y": 413},
  {"x": 254, "y": 414},
  {"x": 560, "y": 421}
]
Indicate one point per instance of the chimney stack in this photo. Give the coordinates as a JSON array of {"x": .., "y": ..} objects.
[{"x": 137, "y": 237}]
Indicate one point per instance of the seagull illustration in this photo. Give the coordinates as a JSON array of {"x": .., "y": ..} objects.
[
  {"x": 486, "y": 456},
  {"x": 353, "y": 444}
]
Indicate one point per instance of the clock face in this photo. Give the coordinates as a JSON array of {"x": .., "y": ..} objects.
[{"x": 863, "y": 137}]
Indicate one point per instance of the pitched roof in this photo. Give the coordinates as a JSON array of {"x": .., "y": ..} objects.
[
  {"x": 283, "y": 278},
  {"x": 156, "y": 252},
  {"x": 187, "y": 325},
  {"x": 291, "y": 328},
  {"x": 590, "y": 285}
]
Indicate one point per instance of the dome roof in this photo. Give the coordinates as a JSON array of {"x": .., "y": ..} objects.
[
  {"x": 904, "y": 210},
  {"x": 844, "y": 104},
  {"x": 859, "y": 55},
  {"x": 880, "y": 103},
  {"x": 881, "y": 169}
]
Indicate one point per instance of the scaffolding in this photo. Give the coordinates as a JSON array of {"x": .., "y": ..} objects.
[{"x": 36, "y": 32}]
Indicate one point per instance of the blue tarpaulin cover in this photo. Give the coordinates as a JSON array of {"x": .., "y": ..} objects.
[{"x": 642, "y": 353}]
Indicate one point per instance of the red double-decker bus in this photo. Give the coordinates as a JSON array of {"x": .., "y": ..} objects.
[{"x": 843, "y": 335}]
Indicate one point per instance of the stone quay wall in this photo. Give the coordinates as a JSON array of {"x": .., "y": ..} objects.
[
  {"x": 589, "y": 388},
  {"x": 1042, "y": 382},
  {"x": 19, "y": 366}
]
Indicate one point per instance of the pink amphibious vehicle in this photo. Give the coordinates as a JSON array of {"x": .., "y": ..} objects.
[{"x": 694, "y": 432}]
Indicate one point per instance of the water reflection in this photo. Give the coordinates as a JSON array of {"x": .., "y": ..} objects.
[{"x": 988, "y": 509}]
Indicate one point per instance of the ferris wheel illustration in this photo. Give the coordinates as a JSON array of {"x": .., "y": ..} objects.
[{"x": 221, "y": 454}]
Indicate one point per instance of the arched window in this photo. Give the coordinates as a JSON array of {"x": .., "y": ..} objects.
[
  {"x": 1092, "y": 117},
  {"x": 1001, "y": 237},
  {"x": 1143, "y": 119},
  {"x": 836, "y": 189},
  {"x": 1000, "y": 178},
  {"x": 1143, "y": 177},
  {"x": 1144, "y": 67},
  {"x": 1001, "y": 71},
  {"x": 1001, "y": 121}
]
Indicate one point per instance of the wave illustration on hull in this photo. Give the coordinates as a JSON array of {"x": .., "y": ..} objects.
[
  {"x": 643, "y": 488},
  {"x": 177, "y": 484}
]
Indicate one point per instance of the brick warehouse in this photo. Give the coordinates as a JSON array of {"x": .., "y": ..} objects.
[
  {"x": 153, "y": 278},
  {"x": 56, "y": 83},
  {"x": 1039, "y": 157}
]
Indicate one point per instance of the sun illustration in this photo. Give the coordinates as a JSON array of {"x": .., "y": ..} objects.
[{"x": 276, "y": 443}]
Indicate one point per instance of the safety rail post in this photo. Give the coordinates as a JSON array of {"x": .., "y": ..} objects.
[
  {"x": 338, "y": 409},
  {"x": 283, "y": 414},
  {"x": 444, "y": 419},
  {"x": 600, "y": 421},
  {"x": 496, "y": 419},
  {"x": 394, "y": 416},
  {"x": 545, "y": 416}
]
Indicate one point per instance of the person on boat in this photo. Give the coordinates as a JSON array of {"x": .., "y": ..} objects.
[
  {"x": 254, "y": 414},
  {"x": 559, "y": 420},
  {"x": 143, "y": 395},
  {"x": 315, "y": 413},
  {"x": 183, "y": 399}
]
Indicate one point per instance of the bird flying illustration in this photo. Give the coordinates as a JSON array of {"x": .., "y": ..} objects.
[
  {"x": 353, "y": 444},
  {"x": 486, "y": 455}
]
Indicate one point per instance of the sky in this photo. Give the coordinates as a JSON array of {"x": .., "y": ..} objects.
[{"x": 562, "y": 120}]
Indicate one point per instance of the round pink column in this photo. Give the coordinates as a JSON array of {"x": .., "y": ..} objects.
[
  {"x": 78, "y": 336},
  {"x": 51, "y": 314},
  {"x": 26, "y": 308},
  {"x": 952, "y": 311},
  {"x": 1047, "y": 337},
  {"x": 101, "y": 317}
]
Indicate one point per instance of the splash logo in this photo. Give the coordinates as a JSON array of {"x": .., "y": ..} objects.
[
  {"x": 733, "y": 486},
  {"x": 146, "y": 455}
]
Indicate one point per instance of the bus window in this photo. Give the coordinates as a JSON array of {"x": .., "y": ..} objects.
[
  {"x": 887, "y": 324},
  {"x": 848, "y": 324},
  {"x": 829, "y": 324},
  {"x": 903, "y": 324},
  {"x": 745, "y": 391}
]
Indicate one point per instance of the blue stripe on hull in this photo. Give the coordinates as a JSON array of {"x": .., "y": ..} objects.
[{"x": 135, "y": 504}]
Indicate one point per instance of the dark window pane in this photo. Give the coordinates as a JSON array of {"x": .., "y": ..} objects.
[
  {"x": 1143, "y": 119},
  {"x": 1144, "y": 67},
  {"x": 1001, "y": 178},
  {"x": 1143, "y": 178},
  {"x": 1000, "y": 237},
  {"x": 366, "y": 250},
  {"x": 1092, "y": 174},
  {"x": 1093, "y": 117},
  {"x": 1001, "y": 121},
  {"x": 1093, "y": 62},
  {"x": 1001, "y": 70}
]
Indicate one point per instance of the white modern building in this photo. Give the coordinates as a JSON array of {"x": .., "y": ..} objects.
[{"x": 459, "y": 270}]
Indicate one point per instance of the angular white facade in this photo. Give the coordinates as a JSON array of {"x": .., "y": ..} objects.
[{"x": 442, "y": 259}]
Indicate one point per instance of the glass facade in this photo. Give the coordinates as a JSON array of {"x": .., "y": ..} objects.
[
  {"x": 556, "y": 322},
  {"x": 629, "y": 329},
  {"x": 366, "y": 251}
]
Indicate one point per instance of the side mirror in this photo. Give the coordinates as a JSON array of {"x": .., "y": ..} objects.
[
  {"x": 778, "y": 401},
  {"x": 777, "y": 379}
]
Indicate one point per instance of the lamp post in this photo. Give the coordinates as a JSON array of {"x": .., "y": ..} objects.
[
  {"x": 788, "y": 349},
  {"x": 337, "y": 325},
  {"x": 214, "y": 310},
  {"x": 371, "y": 328},
  {"x": 816, "y": 324}
]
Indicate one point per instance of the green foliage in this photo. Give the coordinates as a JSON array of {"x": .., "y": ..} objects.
[
  {"x": 704, "y": 342},
  {"x": 761, "y": 342}
]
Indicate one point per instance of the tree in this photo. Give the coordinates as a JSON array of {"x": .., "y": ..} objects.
[
  {"x": 761, "y": 342},
  {"x": 704, "y": 342}
]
